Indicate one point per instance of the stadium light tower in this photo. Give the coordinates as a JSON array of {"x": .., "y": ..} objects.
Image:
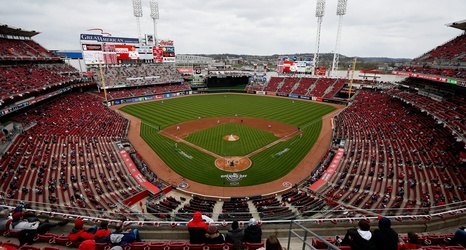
[
  {"x": 137, "y": 10},
  {"x": 320, "y": 11},
  {"x": 341, "y": 11},
  {"x": 154, "y": 13}
]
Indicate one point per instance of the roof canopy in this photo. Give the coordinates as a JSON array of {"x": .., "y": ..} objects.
[
  {"x": 459, "y": 25},
  {"x": 12, "y": 31}
]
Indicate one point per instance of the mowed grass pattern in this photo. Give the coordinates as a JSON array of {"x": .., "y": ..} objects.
[
  {"x": 198, "y": 166},
  {"x": 250, "y": 139}
]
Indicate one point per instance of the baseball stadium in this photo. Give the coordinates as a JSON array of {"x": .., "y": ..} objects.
[{"x": 302, "y": 152}]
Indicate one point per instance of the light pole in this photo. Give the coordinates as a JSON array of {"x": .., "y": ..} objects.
[
  {"x": 320, "y": 11},
  {"x": 154, "y": 14},
  {"x": 137, "y": 10},
  {"x": 341, "y": 11}
]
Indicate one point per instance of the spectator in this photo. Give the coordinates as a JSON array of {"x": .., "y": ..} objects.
[
  {"x": 4, "y": 219},
  {"x": 235, "y": 233},
  {"x": 385, "y": 237},
  {"x": 101, "y": 235},
  {"x": 79, "y": 234},
  {"x": 272, "y": 243},
  {"x": 19, "y": 223},
  {"x": 87, "y": 245},
  {"x": 459, "y": 237},
  {"x": 197, "y": 229},
  {"x": 252, "y": 233},
  {"x": 412, "y": 242},
  {"x": 120, "y": 237},
  {"x": 213, "y": 236},
  {"x": 359, "y": 238}
]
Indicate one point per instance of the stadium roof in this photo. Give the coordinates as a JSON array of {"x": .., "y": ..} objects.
[
  {"x": 459, "y": 25},
  {"x": 13, "y": 31}
]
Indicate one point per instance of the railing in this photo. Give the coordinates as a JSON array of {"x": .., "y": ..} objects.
[
  {"x": 320, "y": 217},
  {"x": 304, "y": 239}
]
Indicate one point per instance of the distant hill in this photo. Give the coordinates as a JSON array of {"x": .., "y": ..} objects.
[{"x": 325, "y": 60}]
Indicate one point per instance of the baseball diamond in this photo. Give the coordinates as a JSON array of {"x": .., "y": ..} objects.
[{"x": 197, "y": 125}]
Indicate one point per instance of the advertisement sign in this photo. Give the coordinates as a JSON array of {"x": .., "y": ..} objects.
[
  {"x": 126, "y": 52},
  {"x": 92, "y": 53},
  {"x": 157, "y": 54},
  {"x": 109, "y": 54},
  {"x": 320, "y": 71},
  {"x": 292, "y": 66},
  {"x": 168, "y": 53},
  {"x": 145, "y": 52},
  {"x": 108, "y": 39}
]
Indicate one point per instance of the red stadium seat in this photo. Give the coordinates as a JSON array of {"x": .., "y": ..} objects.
[
  {"x": 197, "y": 246},
  {"x": 158, "y": 245},
  {"x": 52, "y": 248},
  {"x": 11, "y": 244},
  {"x": 253, "y": 246},
  {"x": 177, "y": 245},
  {"x": 137, "y": 246},
  {"x": 47, "y": 237},
  {"x": 101, "y": 246},
  {"x": 217, "y": 246},
  {"x": 344, "y": 247},
  {"x": 63, "y": 240},
  {"x": 29, "y": 247}
]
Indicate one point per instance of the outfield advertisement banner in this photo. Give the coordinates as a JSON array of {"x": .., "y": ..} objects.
[
  {"x": 136, "y": 174},
  {"x": 329, "y": 171}
]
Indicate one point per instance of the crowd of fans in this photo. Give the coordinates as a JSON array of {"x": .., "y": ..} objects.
[{"x": 137, "y": 75}]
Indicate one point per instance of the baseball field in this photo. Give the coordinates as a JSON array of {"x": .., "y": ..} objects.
[{"x": 230, "y": 139}]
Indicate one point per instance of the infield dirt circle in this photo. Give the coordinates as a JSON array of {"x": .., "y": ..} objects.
[
  {"x": 231, "y": 138},
  {"x": 233, "y": 163}
]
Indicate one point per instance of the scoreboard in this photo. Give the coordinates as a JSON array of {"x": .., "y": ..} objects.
[{"x": 99, "y": 49}]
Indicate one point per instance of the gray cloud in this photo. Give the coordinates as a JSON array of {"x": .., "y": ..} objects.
[{"x": 395, "y": 28}]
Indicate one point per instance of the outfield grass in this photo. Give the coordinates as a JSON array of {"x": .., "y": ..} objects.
[{"x": 195, "y": 165}]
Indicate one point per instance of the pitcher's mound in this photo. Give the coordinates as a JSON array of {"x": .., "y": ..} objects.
[
  {"x": 231, "y": 137},
  {"x": 233, "y": 163}
]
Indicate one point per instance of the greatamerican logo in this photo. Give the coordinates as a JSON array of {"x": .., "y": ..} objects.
[{"x": 234, "y": 176}]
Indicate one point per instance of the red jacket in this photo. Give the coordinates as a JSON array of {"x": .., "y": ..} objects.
[
  {"x": 79, "y": 234},
  {"x": 101, "y": 235},
  {"x": 197, "y": 229}
]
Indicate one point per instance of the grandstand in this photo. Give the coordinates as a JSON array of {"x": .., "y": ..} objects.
[{"x": 400, "y": 149}]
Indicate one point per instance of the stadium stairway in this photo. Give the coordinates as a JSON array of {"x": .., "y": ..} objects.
[
  {"x": 217, "y": 210},
  {"x": 253, "y": 209}
]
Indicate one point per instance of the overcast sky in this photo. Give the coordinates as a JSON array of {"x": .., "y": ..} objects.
[{"x": 385, "y": 28}]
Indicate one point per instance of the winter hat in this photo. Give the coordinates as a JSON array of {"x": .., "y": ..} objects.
[
  {"x": 234, "y": 225},
  {"x": 87, "y": 245},
  {"x": 384, "y": 222},
  {"x": 212, "y": 228},
  {"x": 78, "y": 223},
  {"x": 252, "y": 222}
]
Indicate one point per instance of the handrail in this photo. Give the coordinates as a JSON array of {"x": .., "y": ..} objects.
[{"x": 304, "y": 239}]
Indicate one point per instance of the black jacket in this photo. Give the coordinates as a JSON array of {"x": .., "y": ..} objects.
[
  {"x": 253, "y": 234},
  {"x": 234, "y": 235},
  {"x": 386, "y": 239}
]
